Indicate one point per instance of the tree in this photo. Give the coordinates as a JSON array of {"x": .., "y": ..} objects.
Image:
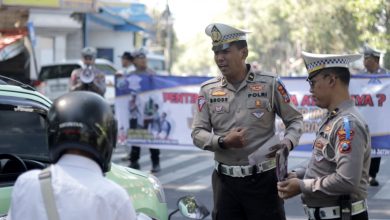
[{"x": 281, "y": 29}]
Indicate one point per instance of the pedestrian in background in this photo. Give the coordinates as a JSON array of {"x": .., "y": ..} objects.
[
  {"x": 334, "y": 185},
  {"x": 88, "y": 78},
  {"x": 141, "y": 67},
  {"x": 74, "y": 187},
  {"x": 235, "y": 117},
  {"x": 127, "y": 64},
  {"x": 372, "y": 66}
]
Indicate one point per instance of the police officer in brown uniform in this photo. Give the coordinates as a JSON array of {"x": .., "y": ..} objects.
[
  {"x": 334, "y": 184},
  {"x": 372, "y": 66},
  {"x": 236, "y": 116},
  {"x": 88, "y": 78}
]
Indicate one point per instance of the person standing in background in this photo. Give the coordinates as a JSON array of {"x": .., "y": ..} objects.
[
  {"x": 141, "y": 67},
  {"x": 88, "y": 78},
  {"x": 372, "y": 66},
  {"x": 127, "y": 64}
]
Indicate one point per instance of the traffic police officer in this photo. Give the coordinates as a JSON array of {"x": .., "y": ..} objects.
[
  {"x": 334, "y": 185},
  {"x": 235, "y": 117},
  {"x": 372, "y": 66},
  {"x": 88, "y": 78}
]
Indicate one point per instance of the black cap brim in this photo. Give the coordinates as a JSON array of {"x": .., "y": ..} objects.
[{"x": 221, "y": 47}]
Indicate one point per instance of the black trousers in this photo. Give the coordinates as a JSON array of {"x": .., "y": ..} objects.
[
  {"x": 136, "y": 150},
  {"x": 361, "y": 216},
  {"x": 247, "y": 198},
  {"x": 154, "y": 154},
  {"x": 374, "y": 166}
]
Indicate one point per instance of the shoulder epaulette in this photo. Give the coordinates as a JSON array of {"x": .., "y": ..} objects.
[{"x": 211, "y": 81}]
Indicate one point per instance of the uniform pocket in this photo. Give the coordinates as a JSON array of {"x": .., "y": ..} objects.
[{"x": 260, "y": 103}]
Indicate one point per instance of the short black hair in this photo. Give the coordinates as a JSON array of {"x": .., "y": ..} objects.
[
  {"x": 240, "y": 44},
  {"x": 127, "y": 56},
  {"x": 342, "y": 73}
]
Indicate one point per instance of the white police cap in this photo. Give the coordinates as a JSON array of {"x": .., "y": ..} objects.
[
  {"x": 369, "y": 51},
  {"x": 222, "y": 35},
  {"x": 316, "y": 62}
]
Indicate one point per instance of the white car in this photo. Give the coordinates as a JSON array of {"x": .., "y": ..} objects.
[{"x": 53, "y": 79}]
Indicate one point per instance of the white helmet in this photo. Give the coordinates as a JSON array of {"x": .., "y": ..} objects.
[{"x": 89, "y": 51}]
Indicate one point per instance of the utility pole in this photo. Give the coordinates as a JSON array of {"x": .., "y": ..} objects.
[{"x": 168, "y": 23}]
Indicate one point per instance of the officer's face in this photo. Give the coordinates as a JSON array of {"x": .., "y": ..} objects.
[
  {"x": 126, "y": 62},
  {"x": 140, "y": 62},
  {"x": 88, "y": 60},
  {"x": 231, "y": 60},
  {"x": 370, "y": 63},
  {"x": 319, "y": 88}
]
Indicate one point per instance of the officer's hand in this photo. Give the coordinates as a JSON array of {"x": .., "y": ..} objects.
[
  {"x": 235, "y": 138},
  {"x": 284, "y": 143},
  {"x": 289, "y": 188},
  {"x": 292, "y": 175},
  {"x": 78, "y": 86}
]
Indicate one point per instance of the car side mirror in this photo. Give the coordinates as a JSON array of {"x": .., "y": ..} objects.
[{"x": 191, "y": 208}]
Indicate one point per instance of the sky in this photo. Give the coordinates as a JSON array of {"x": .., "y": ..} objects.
[{"x": 190, "y": 16}]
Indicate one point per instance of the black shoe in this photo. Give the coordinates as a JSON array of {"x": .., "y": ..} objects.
[
  {"x": 135, "y": 165},
  {"x": 156, "y": 168},
  {"x": 373, "y": 182}
]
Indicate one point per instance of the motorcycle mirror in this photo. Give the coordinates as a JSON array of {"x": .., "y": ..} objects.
[{"x": 191, "y": 208}]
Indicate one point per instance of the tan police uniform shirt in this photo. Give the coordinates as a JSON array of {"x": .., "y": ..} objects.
[
  {"x": 339, "y": 164},
  {"x": 252, "y": 106}
]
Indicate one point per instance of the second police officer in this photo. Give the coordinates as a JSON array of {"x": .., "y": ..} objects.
[
  {"x": 334, "y": 185},
  {"x": 88, "y": 78}
]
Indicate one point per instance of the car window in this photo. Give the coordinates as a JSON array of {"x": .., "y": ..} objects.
[
  {"x": 57, "y": 71},
  {"x": 107, "y": 69},
  {"x": 23, "y": 134}
]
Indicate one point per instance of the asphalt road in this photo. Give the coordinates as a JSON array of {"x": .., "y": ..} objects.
[{"x": 189, "y": 173}]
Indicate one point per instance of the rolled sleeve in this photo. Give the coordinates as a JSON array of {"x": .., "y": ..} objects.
[
  {"x": 285, "y": 109},
  {"x": 306, "y": 185}
]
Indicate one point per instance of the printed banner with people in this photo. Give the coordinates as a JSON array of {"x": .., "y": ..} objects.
[{"x": 157, "y": 111}]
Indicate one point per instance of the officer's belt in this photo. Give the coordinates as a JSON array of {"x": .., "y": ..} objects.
[
  {"x": 243, "y": 171},
  {"x": 334, "y": 211}
]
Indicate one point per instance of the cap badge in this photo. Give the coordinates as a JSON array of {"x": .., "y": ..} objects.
[{"x": 216, "y": 35}]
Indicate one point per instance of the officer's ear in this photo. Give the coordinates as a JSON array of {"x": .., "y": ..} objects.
[
  {"x": 332, "y": 79},
  {"x": 244, "y": 52}
]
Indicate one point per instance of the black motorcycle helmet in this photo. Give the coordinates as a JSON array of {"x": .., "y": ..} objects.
[{"x": 84, "y": 121}]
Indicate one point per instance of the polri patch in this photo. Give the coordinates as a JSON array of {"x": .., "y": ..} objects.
[{"x": 201, "y": 102}]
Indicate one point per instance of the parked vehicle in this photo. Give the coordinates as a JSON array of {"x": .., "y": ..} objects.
[{"x": 23, "y": 147}]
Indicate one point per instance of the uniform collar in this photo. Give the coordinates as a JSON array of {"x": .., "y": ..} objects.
[
  {"x": 250, "y": 77},
  {"x": 341, "y": 107},
  {"x": 80, "y": 162}
]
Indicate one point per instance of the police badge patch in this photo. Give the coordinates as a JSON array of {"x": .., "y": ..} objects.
[
  {"x": 201, "y": 102},
  {"x": 282, "y": 90},
  {"x": 345, "y": 136}
]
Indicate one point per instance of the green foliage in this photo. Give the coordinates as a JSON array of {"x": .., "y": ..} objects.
[{"x": 281, "y": 29}]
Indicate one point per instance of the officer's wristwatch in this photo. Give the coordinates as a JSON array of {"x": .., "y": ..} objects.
[{"x": 221, "y": 143}]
